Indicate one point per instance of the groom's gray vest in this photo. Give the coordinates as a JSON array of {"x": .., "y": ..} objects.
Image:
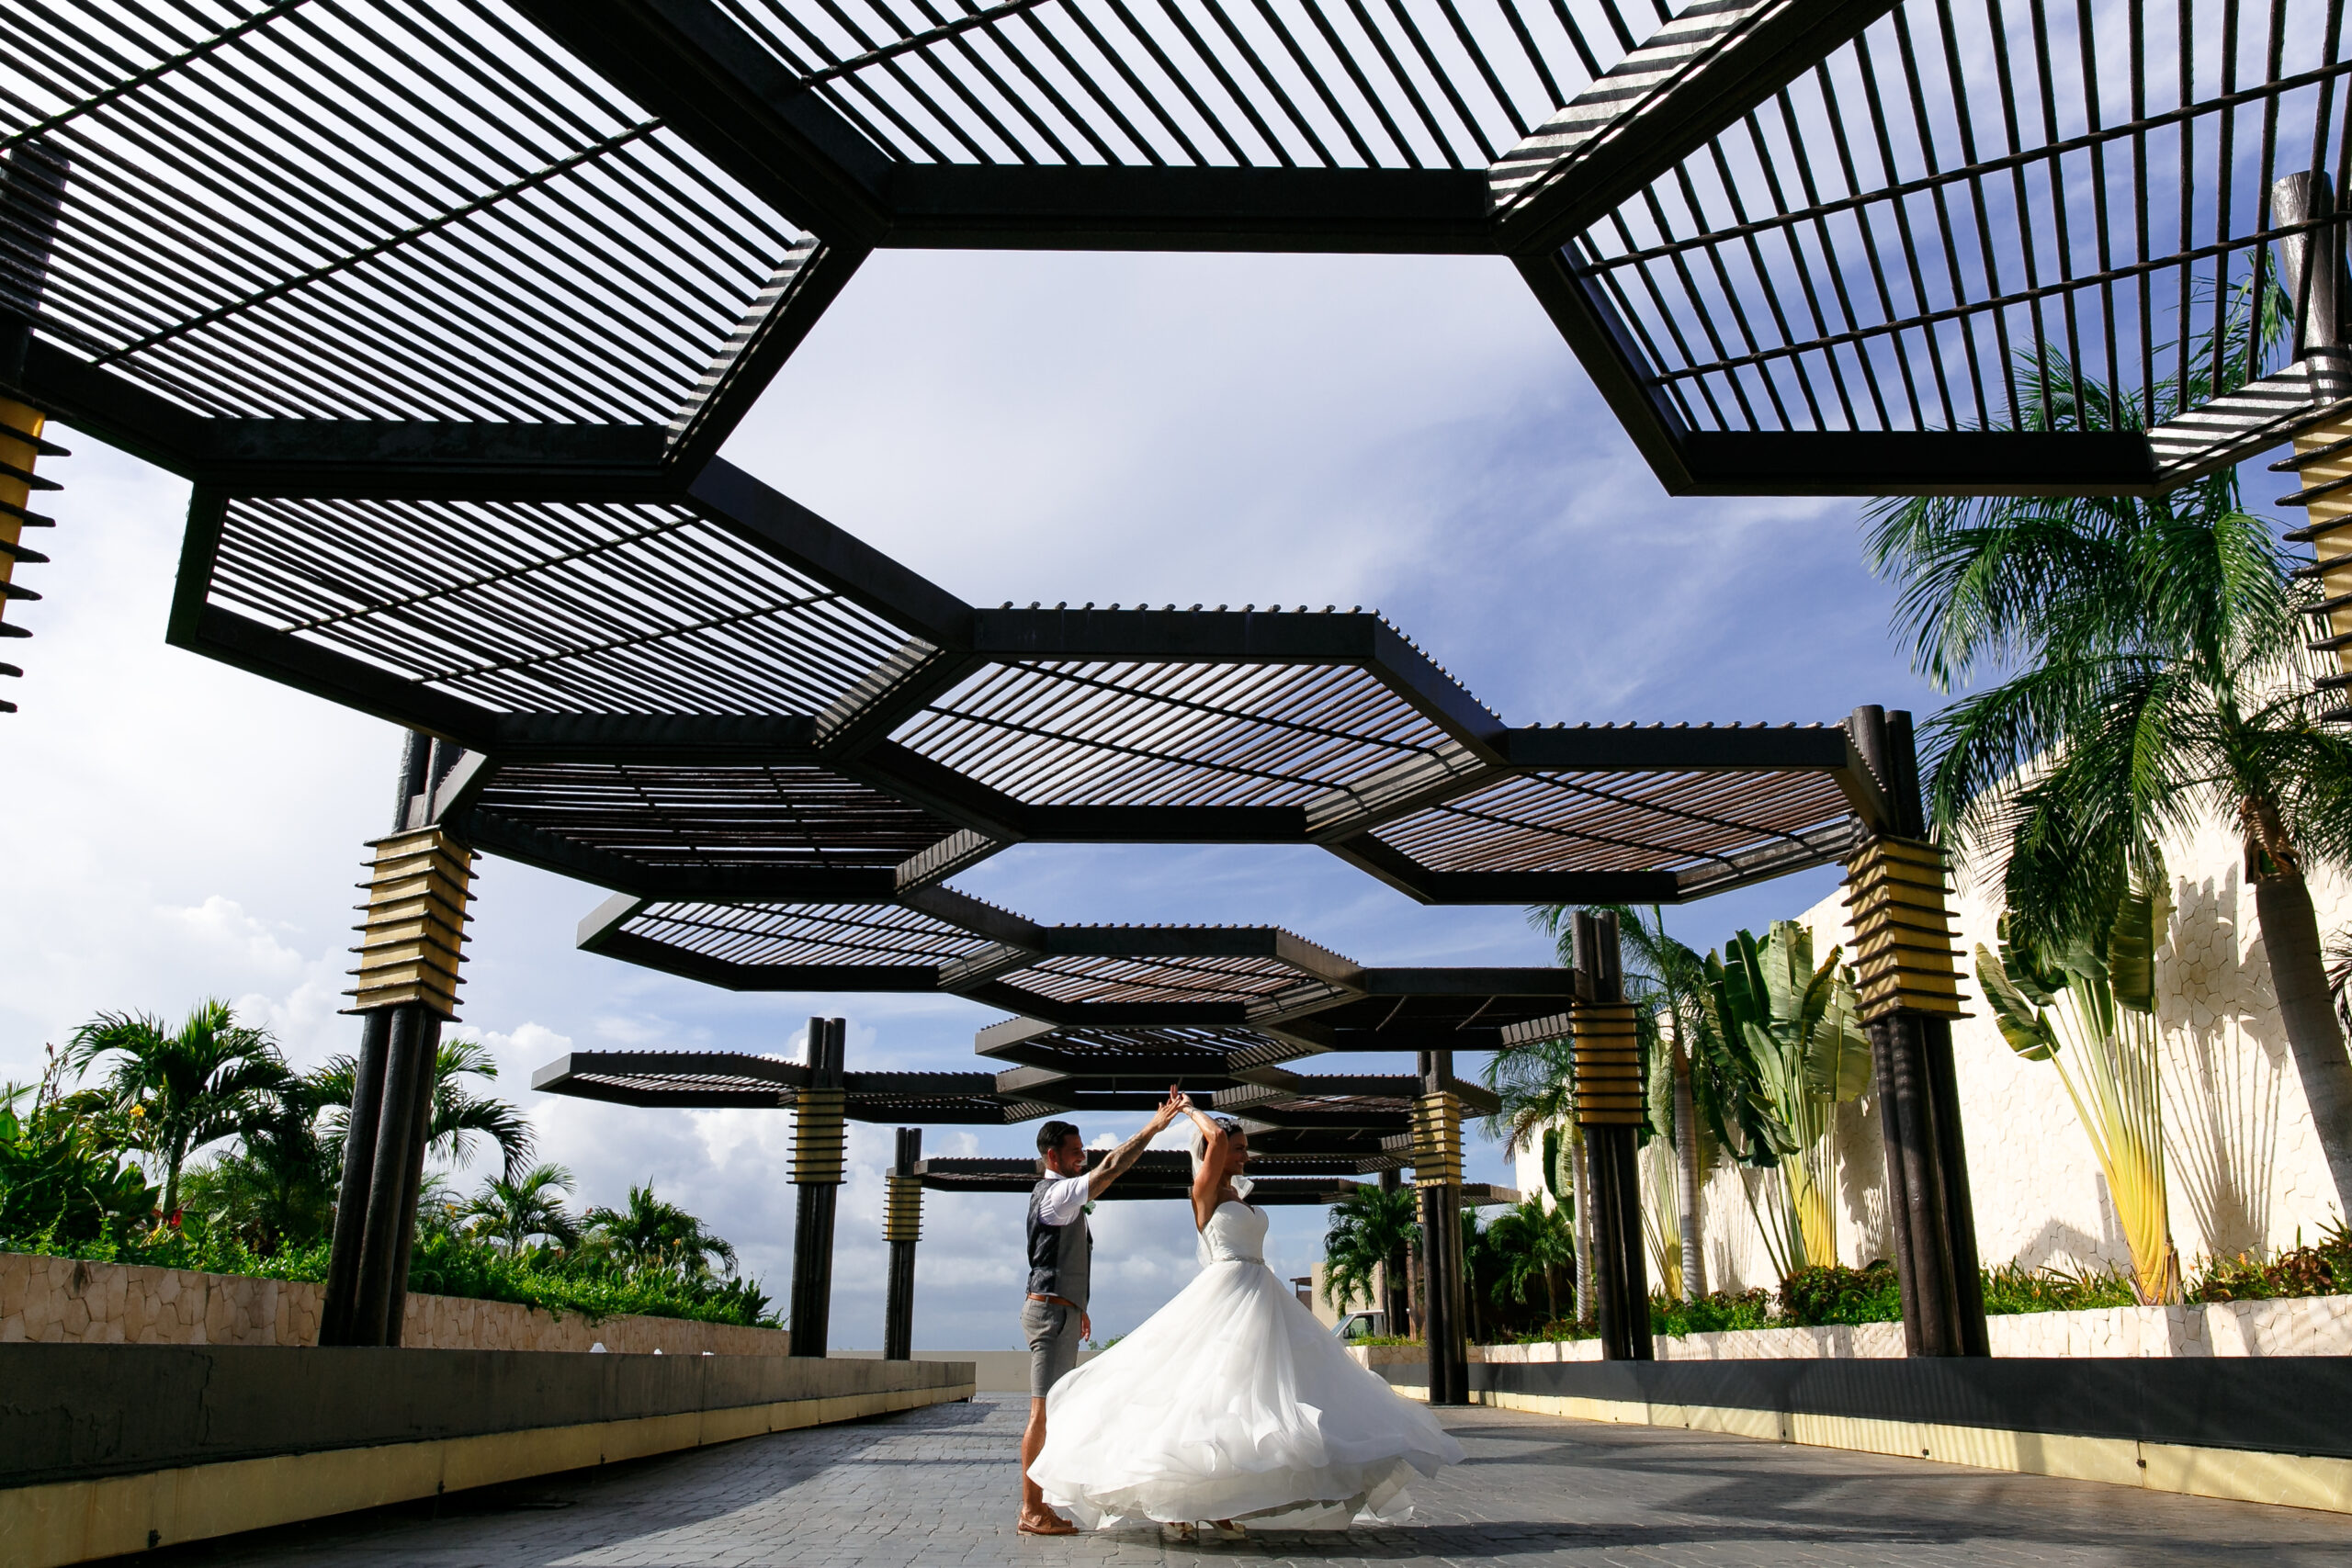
[{"x": 1059, "y": 1255}]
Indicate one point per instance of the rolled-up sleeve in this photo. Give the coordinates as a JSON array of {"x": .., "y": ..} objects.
[{"x": 1063, "y": 1201}]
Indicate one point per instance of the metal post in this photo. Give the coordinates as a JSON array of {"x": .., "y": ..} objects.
[
  {"x": 1437, "y": 1175},
  {"x": 358, "y": 1164},
  {"x": 1909, "y": 993},
  {"x": 902, "y": 1228},
  {"x": 407, "y": 1076},
  {"x": 1610, "y": 1100},
  {"x": 419, "y": 1137},
  {"x": 818, "y": 1149},
  {"x": 33, "y": 194},
  {"x": 341, "y": 1314}
]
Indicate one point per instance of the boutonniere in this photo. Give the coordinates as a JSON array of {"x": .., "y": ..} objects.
[{"x": 1090, "y": 1207}]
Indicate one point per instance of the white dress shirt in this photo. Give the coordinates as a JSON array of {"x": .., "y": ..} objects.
[{"x": 1063, "y": 1202}]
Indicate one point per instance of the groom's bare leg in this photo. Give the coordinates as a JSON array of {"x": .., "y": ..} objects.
[{"x": 1034, "y": 1515}]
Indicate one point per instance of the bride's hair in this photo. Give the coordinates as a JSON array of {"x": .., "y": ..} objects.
[{"x": 1201, "y": 1140}]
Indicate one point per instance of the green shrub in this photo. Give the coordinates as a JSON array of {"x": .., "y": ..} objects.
[
  {"x": 2010, "y": 1289},
  {"x": 1560, "y": 1331},
  {"x": 446, "y": 1264},
  {"x": 2299, "y": 1270},
  {"x": 1823, "y": 1293},
  {"x": 1715, "y": 1312}
]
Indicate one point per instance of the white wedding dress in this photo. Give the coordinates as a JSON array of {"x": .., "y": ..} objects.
[{"x": 1233, "y": 1403}]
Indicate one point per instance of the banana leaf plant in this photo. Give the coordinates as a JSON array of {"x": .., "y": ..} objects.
[
  {"x": 1801, "y": 1027},
  {"x": 2088, "y": 1006}
]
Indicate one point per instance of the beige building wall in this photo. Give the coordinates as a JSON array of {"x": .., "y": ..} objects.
[{"x": 2244, "y": 1170}]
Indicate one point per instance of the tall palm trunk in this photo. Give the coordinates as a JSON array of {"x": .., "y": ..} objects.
[
  {"x": 1686, "y": 1129},
  {"x": 1582, "y": 1198},
  {"x": 2282, "y": 905}
]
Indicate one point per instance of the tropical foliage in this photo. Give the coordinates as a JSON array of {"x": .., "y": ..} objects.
[
  {"x": 1800, "y": 1023},
  {"x": 649, "y": 1235},
  {"x": 525, "y": 1211},
  {"x": 1534, "y": 1248},
  {"x": 250, "y": 1153},
  {"x": 61, "y": 1176},
  {"x": 177, "y": 1091},
  {"x": 2088, "y": 1008},
  {"x": 1372, "y": 1228},
  {"x": 2152, "y": 673}
]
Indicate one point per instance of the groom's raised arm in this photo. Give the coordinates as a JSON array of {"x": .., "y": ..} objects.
[{"x": 1120, "y": 1160}]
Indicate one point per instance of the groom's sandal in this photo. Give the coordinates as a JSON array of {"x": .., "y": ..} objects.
[{"x": 1052, "y": 1524}]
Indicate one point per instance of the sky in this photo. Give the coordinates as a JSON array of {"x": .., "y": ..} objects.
[{"x": 1404, "y": 433}]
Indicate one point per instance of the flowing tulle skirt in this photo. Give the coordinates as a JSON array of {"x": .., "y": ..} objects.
[{"x": 1233, "y": 1403}]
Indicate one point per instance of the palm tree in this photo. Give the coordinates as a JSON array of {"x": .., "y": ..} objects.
[
  {"x": 650, "y": 1234},
  {"x": 460, "y": 1117},
  {"x": 1371, "y": 1230},
  {"x": 2156, "y": 675},
  {"x": 180, "y": 1090},
  {"x": 1535, "y": 1084},
  {"x": 529, "y": 1208},
  {"x": 276, "y": 1188},
  {"x": 1530, "y": 1242},
  {"x": 1714, "y": 1100}
]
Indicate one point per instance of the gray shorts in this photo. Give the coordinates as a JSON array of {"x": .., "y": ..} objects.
[{"x": 1052, "y": 1332}]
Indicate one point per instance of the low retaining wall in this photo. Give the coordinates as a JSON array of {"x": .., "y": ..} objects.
[
  {"x": 110, "y": 1448},
  {"x": 54, "y": 1301},
  {"x": 993, "y": 1371},
  {"x": 2257, "y": 1430},
  {"x": 2306, "y": 1325}
]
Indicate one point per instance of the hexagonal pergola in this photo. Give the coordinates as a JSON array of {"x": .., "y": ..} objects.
[
  {"x": 446, "y": 310},
  {"x": 556, "y": 247}
]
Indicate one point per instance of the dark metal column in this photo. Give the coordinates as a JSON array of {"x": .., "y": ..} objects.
[
  {"x": 902, "y": 1228},
  {"x": 1909, "y": 995},
  {"x": 410, "y": 952},
  {"x": 341, "y": 1314},
  {"x": 358, "y": 1168},
  {"x": 818, "y": 1149},
  {"x": 408, "y": 1066},
  {"x": 1437, "y": 1173},
  {"x": 1608, "y": 1092}
]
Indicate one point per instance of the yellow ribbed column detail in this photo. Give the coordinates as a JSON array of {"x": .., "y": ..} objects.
[
  {"x": 819, "y": 1137},
  {"x": 1901, "y": 909},
  {"x": 412, "y": 927},
  {"x": 1608, "y": 1064},
  {"x": 902, "y": 1209},
  {"x": 1437, "y": 1140}
]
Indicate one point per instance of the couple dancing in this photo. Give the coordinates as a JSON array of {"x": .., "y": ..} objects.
[{"x": 1231, "y": 1406}]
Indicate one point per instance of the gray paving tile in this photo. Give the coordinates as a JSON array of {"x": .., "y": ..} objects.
[{"x": 935, "y": 1489}]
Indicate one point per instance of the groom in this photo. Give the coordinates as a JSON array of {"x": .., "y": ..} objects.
[{"x": 1054, "y": 1318}]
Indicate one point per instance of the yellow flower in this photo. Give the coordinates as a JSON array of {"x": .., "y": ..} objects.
[{"x": 138, "y": 1112}]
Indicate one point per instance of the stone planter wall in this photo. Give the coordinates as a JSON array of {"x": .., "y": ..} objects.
[
  {"x": 58, "y": 1301},
  {"x": 2312, "y": 1326}
]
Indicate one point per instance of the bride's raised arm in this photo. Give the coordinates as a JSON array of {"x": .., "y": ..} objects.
[{"x": 1208, "y": 1171}]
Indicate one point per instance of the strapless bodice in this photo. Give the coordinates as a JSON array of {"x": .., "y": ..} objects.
[{"x": 1235, "y": 1234}]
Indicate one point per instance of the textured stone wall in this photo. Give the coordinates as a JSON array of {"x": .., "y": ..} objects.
[
  {"x": 2315, "y": 1326},
  {"x": 2243, "y": 1172},
  {"x": 56, "y": 1300}
]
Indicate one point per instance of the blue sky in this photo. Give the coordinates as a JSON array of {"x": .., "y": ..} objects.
[{"x": 1405, "y": 434}]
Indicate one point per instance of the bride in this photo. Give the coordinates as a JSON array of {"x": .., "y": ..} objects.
[{"x": 1232, "y": 1403}]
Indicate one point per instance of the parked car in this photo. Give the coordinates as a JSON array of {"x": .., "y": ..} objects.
[{"x": 1361, "y": 1325}]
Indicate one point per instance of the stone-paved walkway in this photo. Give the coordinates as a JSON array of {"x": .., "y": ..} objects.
[{"x": 934, "y": 1488}]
